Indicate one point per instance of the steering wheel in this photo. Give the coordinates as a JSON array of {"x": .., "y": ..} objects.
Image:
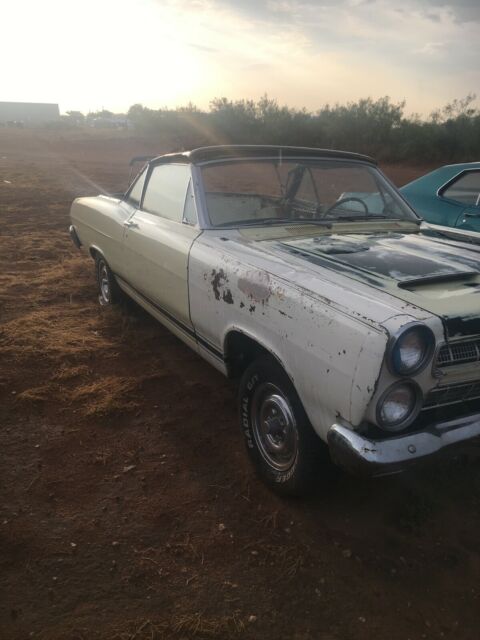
[{"x": 336, "y": 204}]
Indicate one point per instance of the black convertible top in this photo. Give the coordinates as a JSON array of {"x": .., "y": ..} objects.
[{"x": 229, "y": 152}]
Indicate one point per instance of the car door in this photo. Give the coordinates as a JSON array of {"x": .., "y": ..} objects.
[
  {"x": 470, "y": 218},
  {"x": 464, "y": 192},
  {"x": 126, "y": 209},
  {"x": 157, "y": 241}
]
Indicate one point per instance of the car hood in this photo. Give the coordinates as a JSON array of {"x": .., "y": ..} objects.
[{"x": 432, "y": 273}]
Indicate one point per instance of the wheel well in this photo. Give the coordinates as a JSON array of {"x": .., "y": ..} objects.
[
  {"x": 240, "y": 351},
  {"x": 95, "y": 252}
]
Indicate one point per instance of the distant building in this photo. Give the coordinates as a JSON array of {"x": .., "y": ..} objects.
[{"x": 28, "y": 113}]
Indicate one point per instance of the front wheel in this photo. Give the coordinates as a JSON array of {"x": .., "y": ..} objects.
[{"x": 281, "y": 443}]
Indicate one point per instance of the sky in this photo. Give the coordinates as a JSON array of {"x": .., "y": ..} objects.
[{"x": 111, "y": 54}]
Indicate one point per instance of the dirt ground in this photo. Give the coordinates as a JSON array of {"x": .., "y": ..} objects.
[{"x": 128, "y": 507}]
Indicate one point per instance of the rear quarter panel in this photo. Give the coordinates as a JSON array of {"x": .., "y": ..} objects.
[{"x": 99, "y": 224}]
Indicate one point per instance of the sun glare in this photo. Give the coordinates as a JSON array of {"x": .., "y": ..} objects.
[
  {"x": 114, "y": 53},
  {"x": 108, "y": 54}
]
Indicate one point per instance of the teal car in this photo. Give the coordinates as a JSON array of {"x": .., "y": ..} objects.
[{"x": 449, "y": 196}]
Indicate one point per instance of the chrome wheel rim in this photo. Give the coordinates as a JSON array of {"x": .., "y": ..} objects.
[
  {"x": 104, "y": 282},
  {"x": 274, "y": 427}
]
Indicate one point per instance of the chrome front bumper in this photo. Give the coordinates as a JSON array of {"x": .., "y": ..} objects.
[{"x": 360, "y": 455}]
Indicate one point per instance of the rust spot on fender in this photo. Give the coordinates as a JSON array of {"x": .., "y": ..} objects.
[
  {"x": 255, "y": 285},
  {"x": 227, "y": 296},
  {"x": 218, "y": 280}
]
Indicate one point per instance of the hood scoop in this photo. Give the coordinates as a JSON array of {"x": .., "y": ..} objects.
[
  {"x": 326, "y": 246},
  {"x": 452, "y": 288},
  {"x": 426, "y": 281}
]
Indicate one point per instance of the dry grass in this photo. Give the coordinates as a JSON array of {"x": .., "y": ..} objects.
[
  {"x": 36, "y": 394},
  {"x": 65, "y": 275},
  {"x": 199, "y": 624},
  {"x": 37, "y": 281},
  {"x": 49, "y": 323},
  {"x": 39, "y": 333},
  {"x": 70, "y": 372},
  {"x": 108, "y": 396},
  {"x": 111, "y": 394},
  {"x": 28, "y": 243},
  {"x": 195, "y": 625}
]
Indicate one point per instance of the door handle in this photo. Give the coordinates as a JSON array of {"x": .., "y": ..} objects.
[
  {"x": 130, "y": 225},
  {"x": 472, "y": 214}
]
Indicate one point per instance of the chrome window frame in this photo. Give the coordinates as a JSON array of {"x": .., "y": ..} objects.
[
  {"x": 416, "y": 219},
  {"x": 126, "y": 196},
  {"x": 452, "y": 180},
  {"x": 150, "y": 168}
]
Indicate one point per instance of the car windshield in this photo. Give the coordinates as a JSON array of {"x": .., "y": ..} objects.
[{"x": 268, "y": 192}]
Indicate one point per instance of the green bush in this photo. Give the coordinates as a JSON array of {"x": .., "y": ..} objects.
[{"x": 375, "y": 127}]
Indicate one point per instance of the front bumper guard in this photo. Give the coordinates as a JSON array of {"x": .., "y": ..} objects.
[{"x": 362, "y": 456}]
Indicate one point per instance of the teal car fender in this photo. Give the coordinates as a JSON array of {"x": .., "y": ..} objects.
[{"x": 448, "y": 196}]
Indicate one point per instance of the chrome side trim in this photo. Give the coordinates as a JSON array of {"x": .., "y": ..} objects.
[
  {"x": 453, "y": 233},
  {"x": 362, "y": 456}
]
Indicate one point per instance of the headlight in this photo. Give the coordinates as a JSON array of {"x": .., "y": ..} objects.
[
  {"x": 399, "y": 406},
  {"x": 411, "y": 350}
]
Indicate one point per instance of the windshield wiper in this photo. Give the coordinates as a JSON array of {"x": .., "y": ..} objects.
[
  {"x": 373, "y": 216},
  {"x": 277, "y": 221}
]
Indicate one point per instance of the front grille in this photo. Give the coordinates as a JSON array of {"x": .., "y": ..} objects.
[
  {"x": 452, "y": 394},
  {"x": 458, "y": 353}
]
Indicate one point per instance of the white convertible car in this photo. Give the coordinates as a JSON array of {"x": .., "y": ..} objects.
[{"x": 307, "y": 276}]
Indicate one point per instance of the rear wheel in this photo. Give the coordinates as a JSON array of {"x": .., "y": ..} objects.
[
  {"x": 108, "y": 290},
  {"x": 281, "y": 443}
]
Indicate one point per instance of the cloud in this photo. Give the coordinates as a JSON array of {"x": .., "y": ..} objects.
[
  {"x": 259, "y": 66},
  {"x": 423, "y": 50},
  {"x": 202, "y": 47},
  {"x": 431, "y": 48},
  {"x": 462, "y": 10},
  {"x": 281, "y": 10},
  {"x": 303, "y": 53}
]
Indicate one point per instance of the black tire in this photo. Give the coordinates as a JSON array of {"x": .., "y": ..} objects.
[
  {"x": 285, "y": 451},
  {"x": 108, "y": 290}
]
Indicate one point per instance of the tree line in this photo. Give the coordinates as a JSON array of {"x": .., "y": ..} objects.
[{"x": 376, "y": 127}]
